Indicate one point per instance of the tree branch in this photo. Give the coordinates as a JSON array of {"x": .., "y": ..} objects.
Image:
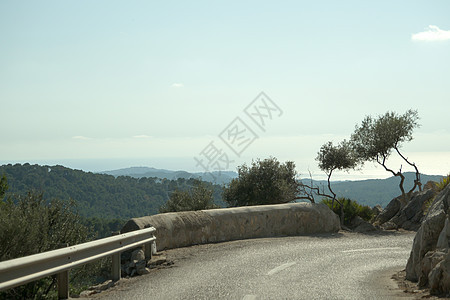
[
  {"x": 399, "y": 173},
  {"x": 417, "y": 181}
]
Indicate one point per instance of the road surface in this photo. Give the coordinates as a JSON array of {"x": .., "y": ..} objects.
[{"x": 334, "y": 266}]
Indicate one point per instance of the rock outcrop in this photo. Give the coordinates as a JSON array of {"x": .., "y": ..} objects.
[
  {"x": 408, "y": 217},
  {"x": 429, "y": 261},
  {"x": 360, "y": 225}
]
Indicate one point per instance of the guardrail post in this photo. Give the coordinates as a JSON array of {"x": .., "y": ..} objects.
[
  {"x": 148, "y": 251},
  {"x": 116, "y": 271},
  {"x": 62, "y": 280},
  {"x": 154, "y": 248}
]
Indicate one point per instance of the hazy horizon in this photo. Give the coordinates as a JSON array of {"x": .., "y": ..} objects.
[
  {"x": 173, "y": 84},
  {"x": 102, "y": 165}
]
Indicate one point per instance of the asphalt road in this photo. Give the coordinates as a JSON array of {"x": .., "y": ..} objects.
[{"x": 338, "y": 266}]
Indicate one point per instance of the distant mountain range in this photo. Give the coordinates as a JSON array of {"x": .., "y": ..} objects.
[
  {"x": 375, "y": 191},
  {"x": 368, "y": 192},
  {"x": 139, "y": 172}
]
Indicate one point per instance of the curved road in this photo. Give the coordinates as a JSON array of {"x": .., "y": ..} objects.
[{"x": 338, "y": 266}]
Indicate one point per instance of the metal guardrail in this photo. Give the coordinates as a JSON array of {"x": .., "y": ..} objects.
[{"x": 22, "y": 270}]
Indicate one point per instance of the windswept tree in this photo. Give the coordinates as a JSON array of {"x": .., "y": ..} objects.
[
  {"x": 336, "y": 157},
  {"x": 376, "y": 138},
  {"x": 265, "y": 182}
]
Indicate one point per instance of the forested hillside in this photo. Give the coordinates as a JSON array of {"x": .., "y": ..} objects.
[
  {"x": 97, "y": 195},
  {"x": 109, "y": 197}
]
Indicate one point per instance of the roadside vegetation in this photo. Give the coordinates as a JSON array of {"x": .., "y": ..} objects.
[
  {"x": 351, "y": 209},
  {"x": 197, "y": 198},
  {"x": 443, "y": 183},
  {"x": 31, "y": 225},
  {"x": 264, "y": 182}
]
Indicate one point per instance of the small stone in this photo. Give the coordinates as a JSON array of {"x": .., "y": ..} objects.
[
  {"x": 137, "y": 255},
  {"x": 141, "y": 264},
  {"x": 158, "y": 261},
  {"x": 129, "y": 270},
  {"x": 102, "y": 286},
  {"x": 143, "y": 271},
  {"x": 85, "y": 294}
]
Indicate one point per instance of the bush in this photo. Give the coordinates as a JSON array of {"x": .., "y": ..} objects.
[
  {"x": 197, "y": 198},
  {"x": 439, "y": 187},
  {"x": 265, "y": 182},
  {"x": 30, "y": 225},
  {"x": 351, "y": 209},
  {"x": 443, "y": 183}
]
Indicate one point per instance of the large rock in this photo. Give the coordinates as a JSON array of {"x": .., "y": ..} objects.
[
  {"x": 358, "y": 224},
  {"x": 409, "y": 216},
  {"x": 389, "y": 211},
  {"x": 426, "y": 240},
  {"x": 182, "y": 229},
  {"x": 443, "y": 240},
  {"x": 439, "y": 277}
]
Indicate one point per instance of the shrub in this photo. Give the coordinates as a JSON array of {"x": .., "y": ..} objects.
[
  {"x": 439, "y": 187},
  {"x": 197, "y": 198},
  {"x": 265, "y": 182},
  {"x": 30, "y": 225},
  {"x": 351, "y": 209},
  {"x": 443, "y": 183}
]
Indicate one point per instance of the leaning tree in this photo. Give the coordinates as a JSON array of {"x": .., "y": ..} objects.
[
  {"x": 376, "y": 138},
  {"x": 336, "y": 157}
]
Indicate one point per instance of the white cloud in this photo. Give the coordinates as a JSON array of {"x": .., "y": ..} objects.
[
  {"x": 433, "y": 33},
  {"x": 141, "y": 136},
  {"x": 80, "y": 137},
  {"x": 177, "y": 85}
]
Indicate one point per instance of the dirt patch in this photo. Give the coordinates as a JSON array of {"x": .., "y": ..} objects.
[{"x": 410, "y": 288}]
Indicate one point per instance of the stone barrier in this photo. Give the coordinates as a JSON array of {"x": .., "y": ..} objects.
[{"x": 181, "y": 229}]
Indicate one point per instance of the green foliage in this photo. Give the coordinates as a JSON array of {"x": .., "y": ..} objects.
[
  {"x": 265, "y": 182},
  {"x": 103, "y": 227},
  {"x": 340, "y": 157},
  {"x": 99, "y": 195},
  {"x": 443, "y": 183},
  {"x": 197, "y": 198},
  {"x": 3, "y": 186},
  {"x": 376, "y": 138},
  {"x": 351, "y": 209},
  {"x": 30, "y": 225}
]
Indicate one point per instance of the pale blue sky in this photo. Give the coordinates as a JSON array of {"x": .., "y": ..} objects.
[{"x": 108, "y": 84}]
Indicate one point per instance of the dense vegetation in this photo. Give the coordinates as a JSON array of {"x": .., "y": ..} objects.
[
  {"x": 196, "y": 198},
  {"x": 30, "y": 225},
  {"x": 264, "y": 182},
  {"x": 98, "y": 195},
  {"x": 351, "y": 209}
]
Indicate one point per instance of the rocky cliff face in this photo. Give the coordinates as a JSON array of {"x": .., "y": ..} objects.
[
  {"x": 408, "y": 217},
  {"x": 429, "y": 261}
]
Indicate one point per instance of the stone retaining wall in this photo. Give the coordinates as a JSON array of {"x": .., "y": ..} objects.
[{"x": 183, "y": 229}]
